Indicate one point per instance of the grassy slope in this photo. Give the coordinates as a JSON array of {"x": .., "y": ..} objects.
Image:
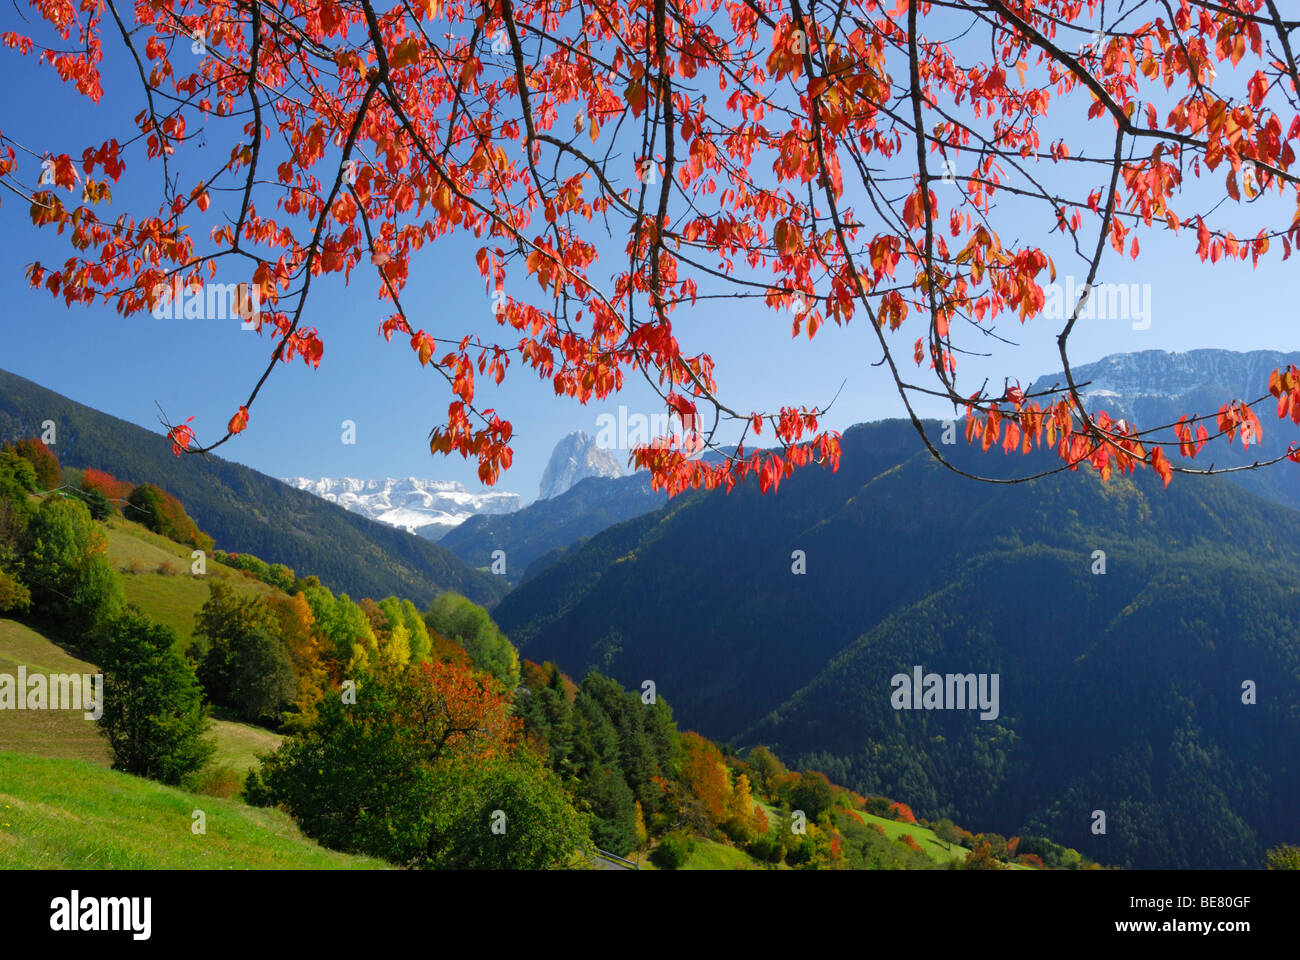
[
  {"x": 67, "y": 734},
  {"x": 931, "y": 845},
  {"x": 70, "y": 814},
  {"x": 711, "y": 855},
  {"x": 174, "y": 596}
]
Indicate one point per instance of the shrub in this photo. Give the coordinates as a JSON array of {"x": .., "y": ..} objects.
[
  {"x": 799, "y": 850},
  {"x": 909, "y": 841},
  {"x": 766, "y": 848},
  {"x": 159, "y": 511},
  {"x": 812, "y": 794},
  {"x": 739, "y": 830},
  {"x": 43, "y": 461},
  {"x": 879, "y": 807},
  {"x": 673, "y": 850},
  {"x": 223, "y": 782},
  {"x": 14, "y": 597},
  {"x": 981, "y": 858}
]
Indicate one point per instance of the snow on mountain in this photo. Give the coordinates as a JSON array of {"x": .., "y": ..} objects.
[
  {"x": 1158, "y": 375},
  {"x": 575, "y": 458},
  {"x": 427, "y": 507}
]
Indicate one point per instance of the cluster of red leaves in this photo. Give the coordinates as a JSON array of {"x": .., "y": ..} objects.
[
  {"x": 456, "y": 711},
  {"x": 910, "y": 842},
  {"x": 107, "y": 484},
  {"x": 903, "y": 813},
  {"x": 1285, "y": 386},
  {"x": 1108, "y": 444}
]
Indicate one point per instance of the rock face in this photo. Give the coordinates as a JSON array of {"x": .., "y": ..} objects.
[
  {"x": 427, "y": 507},
  {"x": 575, "y": 458}
]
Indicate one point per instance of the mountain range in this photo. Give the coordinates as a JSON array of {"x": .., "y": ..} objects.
[{"x": 428, "y": 508}]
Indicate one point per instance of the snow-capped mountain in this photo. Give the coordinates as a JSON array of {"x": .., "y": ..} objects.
[
  {"x": 1154, "y": 387},
  {"x": 427, "y": 507},
  {"x": 1128, "y": 381},
  {"x": 575, "y": 458}
]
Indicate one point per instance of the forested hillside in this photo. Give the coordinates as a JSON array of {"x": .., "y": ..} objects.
[
  {"x": 540, "y": 533},
  {"x": 907, "y": 564}
]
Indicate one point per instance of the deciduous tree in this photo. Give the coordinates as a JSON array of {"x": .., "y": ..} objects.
[{"x": 608, "y": 166}]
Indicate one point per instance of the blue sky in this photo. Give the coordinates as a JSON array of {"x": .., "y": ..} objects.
[{"x": 131, "y": 367}]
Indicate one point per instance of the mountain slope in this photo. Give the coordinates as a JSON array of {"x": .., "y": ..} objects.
[
  {"x": 1125, "y": 698},
  {"x": 244, "y": 510},
  {"x": 701, "y": 598},
  {"x": 537, "y": 535}
]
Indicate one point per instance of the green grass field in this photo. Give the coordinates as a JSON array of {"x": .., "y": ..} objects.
[
  {"x": 60, "y": 813},
  {"x": 711, "y": 855}
]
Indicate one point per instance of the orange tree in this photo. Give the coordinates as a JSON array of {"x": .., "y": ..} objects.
[{"x": 631, "y": 157}]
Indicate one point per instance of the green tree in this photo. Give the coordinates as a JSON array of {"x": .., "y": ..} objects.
[
  {"x": 464, "y": 621},
  {"x": 611, "y": 802},
  {"x": 17, "y": 475},
  {"x": 246, "y": 666},
  {"x": 812, "y": 794},
  {"x": 414, "y": 770},
  {"x": 505, "y": 813},
  {"x": 95, "y": 501},
  {"x": 343, "y": 622},
  {"x": 14, "y": 597},
  {"x": 44, "y": 463},
  {"x": 153, "y": 712},
  {"x": 946, "y": 831},
  {"x": 766, "y": 768},
  {"x": 1284, "y": 857},
  {"x": 65, "y": 567}
]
